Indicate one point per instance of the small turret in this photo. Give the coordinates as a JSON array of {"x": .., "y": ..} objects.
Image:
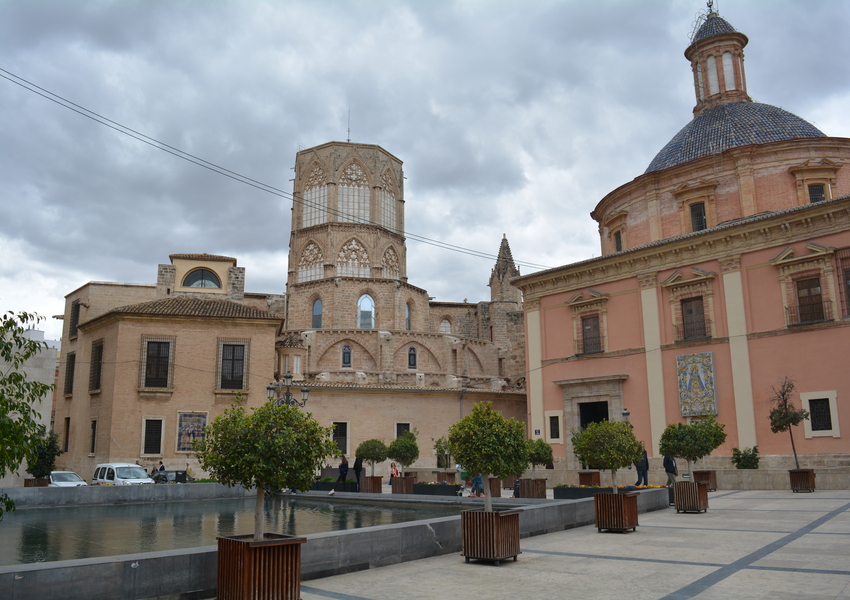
[{"x": 501, "y": 289}]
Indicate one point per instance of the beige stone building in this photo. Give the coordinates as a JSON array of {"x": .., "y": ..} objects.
[
  {"x": 725, "y": 267},
  {"x": 147, "y": 366}
]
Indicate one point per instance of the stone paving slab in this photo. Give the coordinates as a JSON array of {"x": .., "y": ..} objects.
[{"x": 749, "y": 545}]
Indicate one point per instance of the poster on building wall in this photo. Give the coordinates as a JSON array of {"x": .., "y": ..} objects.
[
  {"x": 697, "y": 393},
  {"x": 190, "y": 427}
]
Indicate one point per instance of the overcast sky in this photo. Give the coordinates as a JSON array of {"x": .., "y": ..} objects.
[{"x": 511, "y": 118}]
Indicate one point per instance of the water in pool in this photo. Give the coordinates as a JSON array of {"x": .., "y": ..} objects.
[{"x": 49, "y": 534}]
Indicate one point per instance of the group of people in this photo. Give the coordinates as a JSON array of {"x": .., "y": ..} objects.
[{"x": 642, "y": 468}]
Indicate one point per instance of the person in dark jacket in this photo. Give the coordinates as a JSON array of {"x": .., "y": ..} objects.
[
  {"x": 343, "y": 472},
  {"x": 642, "y": 467},
  {"x": 358, "y": 468},
  {"x": 670, "y": 469}
]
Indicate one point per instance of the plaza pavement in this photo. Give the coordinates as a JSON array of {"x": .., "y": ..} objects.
[{"x": 750, "y": 544}]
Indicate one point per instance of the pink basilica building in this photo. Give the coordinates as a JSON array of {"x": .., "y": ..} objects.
[{"x": 725, "y": 268}]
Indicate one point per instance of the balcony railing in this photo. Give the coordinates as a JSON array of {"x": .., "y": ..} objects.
[
  {"x": 694, "y": 329},
  {"x": 813, "y": 312}
]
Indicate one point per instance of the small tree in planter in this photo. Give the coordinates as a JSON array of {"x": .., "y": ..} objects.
[
  {"x": 274, "y": 446},
  {"x": 784, "y": 415},
  {"x": 607, "y": 445},
  {"x": 487, "y": 443},
  {"x": 42, "y": 458},
  {"x": 404, "y": 450},
  {"x": 748, "y": 458},
  {"x": 539, "y": 453},
  {"x": 693, "y": 441},
  {"x": 372, "y": 451},
  {"x": 444, "y": 457}
]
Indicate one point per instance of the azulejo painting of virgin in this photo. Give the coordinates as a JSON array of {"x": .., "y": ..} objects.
[{"x": 697, "y": 394}]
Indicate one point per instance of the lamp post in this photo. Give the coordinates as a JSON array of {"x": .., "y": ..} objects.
[
  {"x": 287, "y": 397},
  {"x": 626, "y": 414}
]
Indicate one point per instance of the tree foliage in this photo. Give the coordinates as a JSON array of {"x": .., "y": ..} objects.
[
  {"x": 441, "y": 449},
  {"x": 748, "y": 458},
  {"x": 404, "y": 450},
  {"x": 607, "y": 445},
  {"x": 372, "y": 451},
  {"x": 487, "y": 443},
  {"x": 539, "y": 453},
  {"x": 19, "y": 426},
  {"x": 273, "y": 446},
  {"x": 693, "y": 441},
  {"x": 42, "y": 457},
  {"x": 784, "y": 415}
]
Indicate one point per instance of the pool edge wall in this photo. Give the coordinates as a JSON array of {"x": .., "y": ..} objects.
[{"x": 190, "y": 574}]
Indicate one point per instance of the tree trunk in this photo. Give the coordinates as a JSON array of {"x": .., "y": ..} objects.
[
  {"x": 690, "y": 470},
  {"x": 488, "y": 498},
  {"x": 793, "y": 449},
  {"x": 259, "y": 516},
  {"x": 532, "y": 471},
  {"x": 373, "y": 468},
  {"x": 614, "y": 481}
]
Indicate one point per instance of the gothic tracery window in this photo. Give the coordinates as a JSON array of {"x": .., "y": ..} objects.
[
  {"x": 310, "y": 265},
  {"x": 315, "y": 209},
  {"x": 353, "y": 260},
  {"x": 390, "y": 264},
  {"x": 388, "y": 202},
  {"x": 353, "y": 198}
]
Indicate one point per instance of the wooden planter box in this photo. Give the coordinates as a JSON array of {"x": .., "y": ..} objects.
[
  {"x": 495, "y": 488},
  {"x": 403, "y": 485},
  {"x": 326, "y": 486},
  {"x": 588, "y": 478},
  {"x": 371, "y": 484},
  {"x": 616, "y": 512},
  {"x": 710, "y": 477},
  {"x": 249, "y": 570},
  {"x": 490, "y": 535},
  {"x": 532, "y": 488},
  {"x": 802, "y": 480},
  {"x": 691, "y": 496},
  {"x": 436, "y": 490},
  {"x": 444, "y": 477},
  {"x": 30, "y": 482},
  {"x": 576, "y": 493}
]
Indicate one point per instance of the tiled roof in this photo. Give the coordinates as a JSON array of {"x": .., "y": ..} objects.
[
  {"x": 712, "y": 25},
  {"x": 731, "y": 125},
  {"x": 195, "y": 307},
  {"x": 202, "y": 257}
]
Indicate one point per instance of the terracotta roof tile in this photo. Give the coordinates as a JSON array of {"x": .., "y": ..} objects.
[
  {"x": 195, "y": 307},
  {"x": 202, "y": 257}
]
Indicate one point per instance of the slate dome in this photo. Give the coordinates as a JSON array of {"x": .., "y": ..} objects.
[{"x": 730, "y": 125}]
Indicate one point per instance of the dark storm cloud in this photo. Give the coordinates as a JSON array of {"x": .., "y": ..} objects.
[{"x": 510, "y": 117}]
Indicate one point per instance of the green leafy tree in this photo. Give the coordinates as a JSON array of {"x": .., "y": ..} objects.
[
  {"x": 539, "y": 453},
  {"x": 42, "y": 458},
  {"x": 784, "y": 415},
  {"x": 274, "y": 446},
  {"x": 748, "y": 458},
  {"x": 693, "y": 441},
  {"x": 19, "y": 426},
  {"x": 441, "y": 449},
  {"x": 607, "y": 445},
  {"x": 486, "y": 442},
  {"x": 404, "y": 450},
  {"x": 372, "y": 451}
]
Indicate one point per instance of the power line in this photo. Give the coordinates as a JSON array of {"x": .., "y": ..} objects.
[{"x": 89, "y": 114}]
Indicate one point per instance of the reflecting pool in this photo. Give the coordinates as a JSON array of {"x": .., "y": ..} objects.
[{"x": 48, "y": 534}]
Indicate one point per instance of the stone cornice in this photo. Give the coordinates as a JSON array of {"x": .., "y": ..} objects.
[{"x": 727, "y": 241}]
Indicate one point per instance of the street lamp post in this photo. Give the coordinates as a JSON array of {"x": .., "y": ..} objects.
[
  {"x": 626, "y": 414},
  {"x": 287, "y": 397}
]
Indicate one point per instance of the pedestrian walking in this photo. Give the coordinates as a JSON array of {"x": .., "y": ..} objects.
[
  {"x": 670, "y": 469},
  {"x": 358, "y": 469},
  {"x": 343, "y": 473},
  {"x": 642, "y": 467}
]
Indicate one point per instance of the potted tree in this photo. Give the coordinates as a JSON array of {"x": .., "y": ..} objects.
[
  {"x": 372, "y": 451},
  {"x": 692, "y": 442},
  {"x": 404, "y": 450},
  {"x": 271, "y": 447},
  {"x": 487, "y": 443},
  {"x": 444, "y": 457},
  {"x": 783, "y": 416},
  {"x": 610, "y": 445},
  {"x": 42, "y": 458},
  {"x": 539, "y": 453}
]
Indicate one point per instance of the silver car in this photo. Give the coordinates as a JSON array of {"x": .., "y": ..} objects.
[{"x": 65, "y": 479}]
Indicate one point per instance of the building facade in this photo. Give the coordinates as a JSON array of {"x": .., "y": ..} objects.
[{"x": 725, "y": 268}]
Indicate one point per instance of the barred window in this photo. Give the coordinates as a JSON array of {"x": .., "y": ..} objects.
[
  {"x": 152, "y": 443},
  {"x": 817, "y": 192},
  {"x": 401, "y": 428},
  {"x": 70, "y": 363},
  {"x": 698, "y": 220},
  {"x": 821, "y": 417},
  {"x": 96, "y": 366},
  {"x": 75, "y": 319},
  {"x": 232, "y": 366},
  {"x": 157, "y": 362},
  {"x": 554, "y": 428},
  {"x": 66, "y": 441},
  {"x": 693, "y": 319},
  {"x": 591, "y": 338},
  {"x": 411, "y": 358},
  {"x": 92, "y": 444},
  {"x": 340, "y": 436},
  {"x": 346, "y": 356}
]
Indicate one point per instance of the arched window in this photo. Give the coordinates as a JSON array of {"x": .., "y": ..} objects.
[
  {"x": 315, "y": 198},
  {"x": 445, "y": 326},
  {"x": 317, "y": 314},
  {"x": 365, "y": 312},
  {"x": 353, "y": 194},
  {"x": 202, "y": 278},
  {"x": 407, "y": 312},
  {"x": 310, "y": 266},
  {"x": 411, "y": 358},
  {"x": 346, "y": 356}
]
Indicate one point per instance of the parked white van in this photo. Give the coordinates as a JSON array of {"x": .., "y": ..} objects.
[{"x": 119, "y": 474}]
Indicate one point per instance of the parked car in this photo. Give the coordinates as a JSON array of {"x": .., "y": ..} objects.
[
  {"x": 119, "y": 474},
  {"x": 170, "y": 477},
  {"x": 65, "y": 479}
]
